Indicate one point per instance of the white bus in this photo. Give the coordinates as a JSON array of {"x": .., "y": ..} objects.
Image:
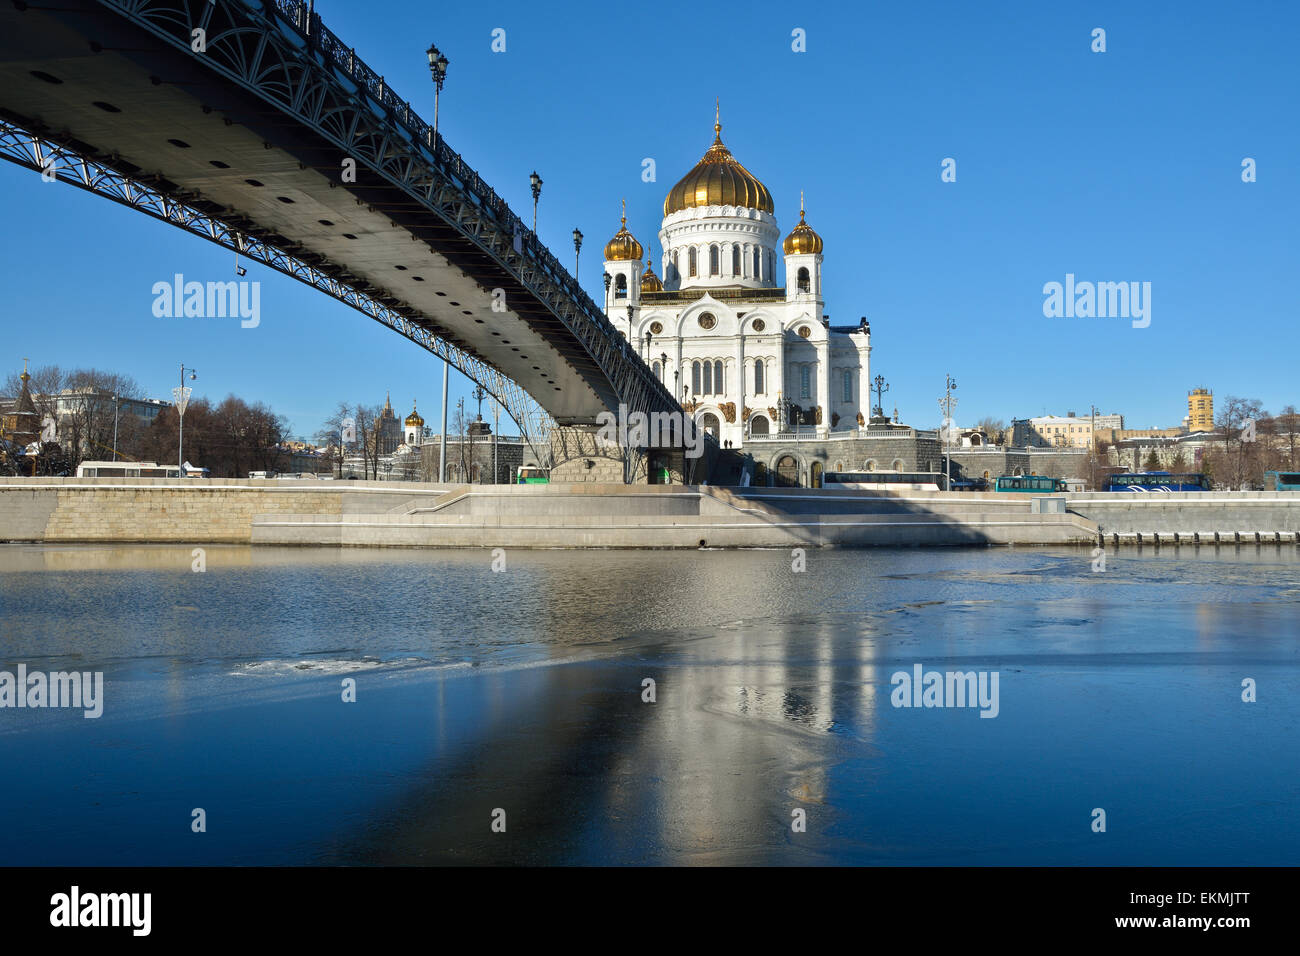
[
  {"x": 884, "y": 480},
  {"x": 127, "y": 469}
]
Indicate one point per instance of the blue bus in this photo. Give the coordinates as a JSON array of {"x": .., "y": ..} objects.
[
  {"x": 1038, "y": 484},
  {"x": 1157, "y": 481},
  {"x": 1282, "y": 480}
]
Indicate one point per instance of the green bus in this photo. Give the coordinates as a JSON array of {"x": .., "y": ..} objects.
[
  {"x": 1030, "y": 483},
  {"x": 532, "y": 475}
]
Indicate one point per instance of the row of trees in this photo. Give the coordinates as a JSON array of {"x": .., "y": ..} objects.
[
  {"x": 1251, "y": 442},
  {"x": 230, "y": 438}
]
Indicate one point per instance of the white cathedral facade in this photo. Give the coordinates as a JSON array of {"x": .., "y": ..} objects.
[{"x": 739, "y": 350}]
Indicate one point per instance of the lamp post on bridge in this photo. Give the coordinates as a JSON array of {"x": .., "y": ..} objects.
[
  {"x": 577, "y": 250},
  {"x": 536, "y": 182},
  {"x": 438, "y": 72}
]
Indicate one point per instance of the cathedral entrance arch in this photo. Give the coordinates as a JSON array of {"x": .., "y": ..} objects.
[
  {"x": 758, "y": 425},
  {"x": 709, "y": 422}
]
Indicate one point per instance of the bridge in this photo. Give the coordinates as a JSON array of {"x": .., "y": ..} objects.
[{"x": 246, "y": 134}]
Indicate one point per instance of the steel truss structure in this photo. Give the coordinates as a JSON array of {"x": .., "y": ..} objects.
[
  {"x": 280, "y": 52},
  {"x": 49, "y": 158}
]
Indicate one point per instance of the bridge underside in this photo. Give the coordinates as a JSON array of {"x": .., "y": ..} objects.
[{"x": 85, "y": 77}]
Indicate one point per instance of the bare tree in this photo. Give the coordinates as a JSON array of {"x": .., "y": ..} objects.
[
  {"x": 995, "y": 428},
  {"x": 331, "y": 435},
  {"x": 1288, "y": 426},
  {"x": 368, "y": 438},
  {"x": 1240, "y": 458}
]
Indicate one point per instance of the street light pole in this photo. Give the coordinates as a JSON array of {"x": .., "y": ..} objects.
[
  {"x": 182, "y": 399},
  {"x": 442, "y": 439},
  {"x": 536, "y": 182},
  {"x": 115, "y": 428},
  {"x": 947, "y": 403},
  {"x": 438, "y": 72},
  {"x": 577, "y": 249}
]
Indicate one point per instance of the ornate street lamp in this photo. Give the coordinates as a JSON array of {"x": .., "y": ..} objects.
[
  {"x": 577, "y": 249},
  {"x": 438, "y": 71},
  {"x": 536, "y": 182},
  {"x": 182, "y": 396}
]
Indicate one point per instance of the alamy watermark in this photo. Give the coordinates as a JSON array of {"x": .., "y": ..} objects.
[
  {"x": 653, "y": 430},
  {"x": 83, "y": 689},
  {"x": 1102, "y": 300},
  {"x": 213, "y": 300},
  {"x": 922, "y": 688}
]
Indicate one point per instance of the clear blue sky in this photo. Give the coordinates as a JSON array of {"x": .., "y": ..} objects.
[{"x": 1122, "y": 166}]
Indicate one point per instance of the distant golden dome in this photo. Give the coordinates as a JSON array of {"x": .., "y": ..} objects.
[
  {"x": 802, "y": 240},
  {"x": 649, "y": 281},
  {"x": 623, "y": 247},
  {"x": 718, "y": 180},
  {"x": 414, "y": 418}
]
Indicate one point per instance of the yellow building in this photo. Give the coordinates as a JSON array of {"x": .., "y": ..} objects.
[{"x": 1200, "y": 410}]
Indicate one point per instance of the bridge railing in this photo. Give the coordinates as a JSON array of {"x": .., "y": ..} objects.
[{"x": 308, "y": 24}]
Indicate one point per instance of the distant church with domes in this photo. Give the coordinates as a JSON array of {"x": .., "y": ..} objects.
[{"x": 739, "y": 350}]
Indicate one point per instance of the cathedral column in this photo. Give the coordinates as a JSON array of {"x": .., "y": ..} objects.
[
  {"x": 779, "y": 389},
  {"x": 823, "y": 384},
  {"x": 740, "y": 384},
  {"x": 682, "y": 379},
  {"x": 864, "y": 381}
]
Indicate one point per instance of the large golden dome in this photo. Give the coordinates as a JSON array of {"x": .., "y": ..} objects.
[
  {"x": 718, "y": 180},
  {"x": 802, "y": 240},
  {"x": 623, "y": 247}
]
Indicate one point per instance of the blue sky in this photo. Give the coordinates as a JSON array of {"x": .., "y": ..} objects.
[{"x": 1115, "y": 166}]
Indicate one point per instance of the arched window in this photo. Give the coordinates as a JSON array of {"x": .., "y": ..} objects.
[
  {"x": 654, "y": 367},
  {"x": 803, "y": 280},
  {"x": 758, "y": 377},
  {"x": 848, "y": 385},
  {"x": 735, "y": 260},
  {"x": 804, "y": 382},
  {"x": 714, "y": 266},
  {"x": 676, "y": 274},
  {"x": 771, "y": 269},
  {"x": 692, "y": 259},
  {"x": 695, "y": 377},
  {"x": 756, "y": 270},
  {"x": 898, "y": 464},
  {"x": 719, "y": 386},
  {"x": 758, "y": 425},
  {"x": 708, "y": 378},
  {"x": 620, "y": 287}
]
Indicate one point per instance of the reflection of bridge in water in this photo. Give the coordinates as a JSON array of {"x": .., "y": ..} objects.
[{"x": 245, "y": 144}]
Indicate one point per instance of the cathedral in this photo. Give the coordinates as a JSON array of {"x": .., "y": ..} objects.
[{"x": 748, "y": 357}]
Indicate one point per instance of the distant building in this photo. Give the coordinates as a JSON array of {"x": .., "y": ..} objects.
[
  {"x": 388, "y": 428},
  {"x": 1052, "y": 431},
  {"x": 1200, "y": 410}
]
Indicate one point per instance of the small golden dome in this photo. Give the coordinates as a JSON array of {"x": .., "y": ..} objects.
[
  {"x": 718, "y": 180},
  {"x": 649, "y": 281},
  {"x": 623, "y": 247},
  {"x": 414, "y": 418},
  {"x": 802, "y": 240}
]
